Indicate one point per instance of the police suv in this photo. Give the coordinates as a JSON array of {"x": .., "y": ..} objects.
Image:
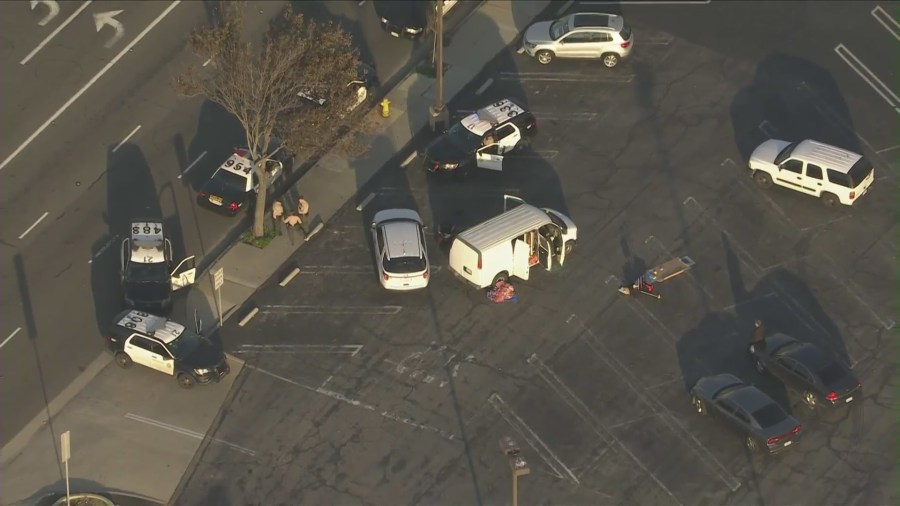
[
  {"x": 481, "y": 139},
  {"x": 234, "y": 184},
  {"x": 148, "y": 279},
  {"x": 137, "y": 337}
]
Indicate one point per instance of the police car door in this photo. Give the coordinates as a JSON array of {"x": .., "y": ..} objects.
[
  {"x": 184, "y": 274},
  {"x": 149, "y": 353},
  {"x": 509, "y": 137},
  {"x": 489, "y": 157}
]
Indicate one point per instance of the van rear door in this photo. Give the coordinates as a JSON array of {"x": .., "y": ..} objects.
[{"x": 520, "y": 259}]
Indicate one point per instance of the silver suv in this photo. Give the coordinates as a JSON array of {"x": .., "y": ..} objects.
[{"x": 580, "y": 35}]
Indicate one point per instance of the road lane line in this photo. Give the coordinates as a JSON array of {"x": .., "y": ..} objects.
[
  {"x": 34, "y": 224},
  {"x": 409, "y": 158},
  {"x": 564, "y": 7},
  {"x": 104, "y": 248},
  {"x": 191, "y": 166},
  {"x": 885, "y": 150},
  {"x": 186, "y": 432},
  {"x": 126, "y": 138},
  {"x": 886, "y": 18},
  {"x": 90, "y": 83},
  {"x": 484, "y": 86},
  {"x": 868, "y": 76},
  {"x": 14, "y": 332},
  {"x": 55, "y": 32}
]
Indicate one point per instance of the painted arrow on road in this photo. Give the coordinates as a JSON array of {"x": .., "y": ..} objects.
[
  {"x": 52, "y": 5},
  {"x": 102, "y": 19}
]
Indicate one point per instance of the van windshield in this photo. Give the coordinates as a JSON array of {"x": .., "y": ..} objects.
[
  {"x": 557, "y": 221},
  {"x": 859, "y": 171},
  {"x": 785, "y": 153}
]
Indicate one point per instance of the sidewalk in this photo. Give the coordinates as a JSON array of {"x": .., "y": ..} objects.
[{"x": 334, "y": 180}]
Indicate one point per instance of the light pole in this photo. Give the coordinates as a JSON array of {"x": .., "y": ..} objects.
[
  {"x": 438, "y": 116},
  {"x": 517, "y": 465}
]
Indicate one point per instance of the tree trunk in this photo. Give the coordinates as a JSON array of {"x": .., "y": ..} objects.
[{"x": 259, "y": 211}]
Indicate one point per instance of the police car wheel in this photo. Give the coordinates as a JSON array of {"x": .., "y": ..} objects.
[
  {"x": 186, "y": 381},
  {"x": 544, "y": 57},
  {"x": 123, "y": 360}
]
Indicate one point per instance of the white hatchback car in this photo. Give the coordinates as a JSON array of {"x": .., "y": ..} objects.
[
  {"x": 833, "y": 174},
  {"x": 400, "y": 251},
  {"x": 590, "y": 35}
]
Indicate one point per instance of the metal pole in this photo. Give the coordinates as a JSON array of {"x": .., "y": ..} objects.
[
  {"x": 67, "y": 484},
  {"x": 219, "y": 305},
  {"x": 515, "y": 476},
  {"x": 438, "y": 116}
]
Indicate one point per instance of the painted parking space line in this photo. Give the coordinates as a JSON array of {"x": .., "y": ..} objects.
[
  {"x": 565, "y": 77},
  {"x": 339, "y": 349},
  {"x": 318, "y": 270},
  {"x": 649, "y": 2},
  {"x": 36, "y": 223},
  {"x": 10, "y": 336},
  {"x": 103, "y": 248},
  {"x": 192, "y": 165},
  {"x": 126, "y": 138},
  {"x": 360, "y": 310},
  {"x": 187, "y": 432},
  {"x": 868, "y": 76},
  {"x": 887, "y": 21},
  {"x": 127, "y": 49},
  {"x": 363, "y": 405}
]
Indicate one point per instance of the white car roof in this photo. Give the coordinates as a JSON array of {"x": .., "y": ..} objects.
[
  {"x": 147, "y": 242},
  {"x": 491, "y": 116},
  {"x": 161, "y": 328},
  {"x": 238, "y": 163},
  {"x": 826, "y": 155},
  {"x": 506, "y": 226}
]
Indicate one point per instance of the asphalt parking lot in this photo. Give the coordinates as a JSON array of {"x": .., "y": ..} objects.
[{"x": 358, "y": 396}]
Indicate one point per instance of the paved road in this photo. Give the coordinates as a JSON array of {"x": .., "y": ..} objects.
[
  {"x": 364, "y": 397},
  {"x": 68, "y": 195}
]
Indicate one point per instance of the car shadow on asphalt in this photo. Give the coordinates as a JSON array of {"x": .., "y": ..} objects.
[
  {"x": 218, "y": 133},
  {"x": 50, "y": 494}
]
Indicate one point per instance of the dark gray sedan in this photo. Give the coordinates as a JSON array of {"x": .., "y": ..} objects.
[
  {"x": 806, "y": 368},
  {"x": 746, "y": 409}
]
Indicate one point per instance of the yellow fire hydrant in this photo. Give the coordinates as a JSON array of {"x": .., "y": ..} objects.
[{"x": 385, "y": 108}]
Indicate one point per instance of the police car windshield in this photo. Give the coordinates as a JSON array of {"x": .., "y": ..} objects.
[
  {"x": 462, "y": 138},
  {"x": 146, "y": 273},
  {"x": 184, "y": 345},
  {"x": 231, "y": 179},
  {"x": 558, "y": 29}
]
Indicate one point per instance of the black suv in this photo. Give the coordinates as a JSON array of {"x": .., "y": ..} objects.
[
  {"x": 166, "y": 346},
  {"x": 148, "y": 278}
]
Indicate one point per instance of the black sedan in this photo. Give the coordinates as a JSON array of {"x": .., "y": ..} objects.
[
  {"x": 403, "y": 19},
  {"x": 747, "y": 410},
  {"x": 234, "y": 184},
  {"x": 806, "y": 368}
]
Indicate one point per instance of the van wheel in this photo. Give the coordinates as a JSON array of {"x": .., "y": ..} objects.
[
  {"x": 610, "y": 60},
  {"x": 829, "y": 200},
  {"x": 570, "y": 246},
  {"x": 123, "y": 360},
  {"x": 185, "y": 381},
  {"x": 503, "y": 276},
  {"x": 762, "y": 179},
  {"x": 544, "y": 57}
]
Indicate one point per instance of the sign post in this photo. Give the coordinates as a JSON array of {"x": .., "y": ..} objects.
[
  {"x": 218, "y": 281},
  {"x": 65, "y": 453}
]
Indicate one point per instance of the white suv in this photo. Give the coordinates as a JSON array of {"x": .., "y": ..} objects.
[
  {"x": 400, "y": 249},
  {"x": 581, "y": 35},
  {"x": 833, "y": 174}
]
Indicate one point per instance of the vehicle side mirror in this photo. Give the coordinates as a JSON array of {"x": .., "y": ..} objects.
[{"x": 373, "y": 225}]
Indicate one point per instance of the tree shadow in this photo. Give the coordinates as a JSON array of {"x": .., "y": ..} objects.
[
  {"x": 218, "y": 132},
  {"x": 787, "y": 100}
]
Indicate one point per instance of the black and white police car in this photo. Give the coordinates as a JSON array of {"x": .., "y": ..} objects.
[
  {"x": 148, "y": 279},
  {"x": 481, "y": 139},
  {"x": 138, "y": 337},
  {"x": 235, "y": 184}
]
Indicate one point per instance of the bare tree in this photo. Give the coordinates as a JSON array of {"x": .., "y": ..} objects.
[{"x": 261, "y": 85}]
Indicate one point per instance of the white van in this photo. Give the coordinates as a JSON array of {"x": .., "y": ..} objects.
[{"x": 511, "y": 243}]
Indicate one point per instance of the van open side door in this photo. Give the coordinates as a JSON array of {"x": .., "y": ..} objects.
[
  {"x": 545, "y": 252},
  {"x": 520, "y": 259}
]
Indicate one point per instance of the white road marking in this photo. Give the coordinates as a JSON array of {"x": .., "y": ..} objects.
[
  {"x": 340, "y": 349},
  {"x": 535, "y": 442},
  {"x": 34, "y": 224},
  {"x": 126, "y": 138},
  {"x": 484, "y": 86},
  {"x": 887, "y": 21},
  {"x": 54, "y": 33},
  {"x": 359, "y": 404},
  {"x": 885, "y": 150},
  {"x": 318, "y": 270},
  {"x": 104, "y": 248},
  {"x": 411, "y": 157},
  {"x": 90, "y": 83},
  {"x": 102, "y": 19},
  {"x": 564, "y": 7},
  {"x": 650, "y": 2},
  {"x": 191, "y": 166},
  {"x": 767, "y": 128},
  {"x": 207, "y": 62},
  {"x": 52, "y": 5},
  {"x": 14, "y": 332},
  {"x": 361, "y": 3},
  {"x": 186, "y": 432},
  {"x": 565, "y": 77},
  {"x": 365, "y": 201},
  {"x": 370, "y": 310},
  {"x": 868, "y": 76}
]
